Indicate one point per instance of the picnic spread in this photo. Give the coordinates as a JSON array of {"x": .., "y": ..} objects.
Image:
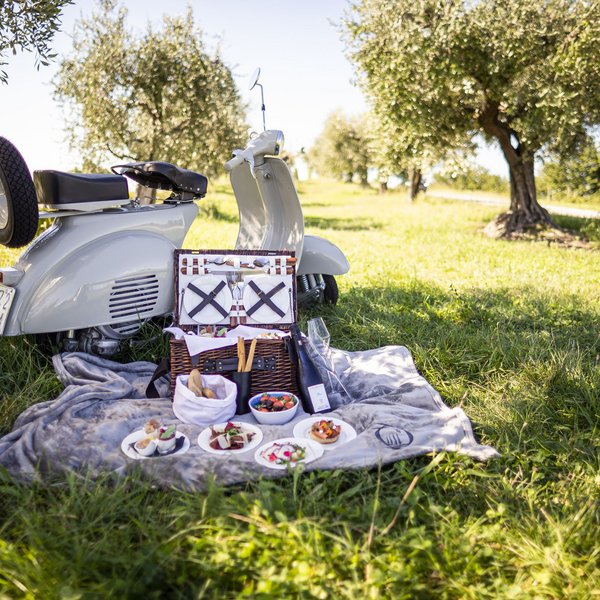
[{"x": 247, "y": 395}]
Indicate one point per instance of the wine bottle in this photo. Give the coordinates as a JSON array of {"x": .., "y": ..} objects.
[{"x": 312, "y": 391}]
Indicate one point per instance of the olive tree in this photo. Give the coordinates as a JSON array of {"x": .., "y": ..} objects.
[
  {"x": 155, "y": 95},
  {"x": 343, "y": 148},
  {"x": 29, "y": 25},
  {"x": 523, "y": 73}
]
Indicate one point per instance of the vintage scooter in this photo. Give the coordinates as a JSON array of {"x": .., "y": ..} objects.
[
  {"x": 271, "y": 214},
  {"x": 105, "y": 265}
]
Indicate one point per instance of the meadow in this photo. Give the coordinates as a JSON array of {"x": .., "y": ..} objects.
[{"x": 510, "y": 331}]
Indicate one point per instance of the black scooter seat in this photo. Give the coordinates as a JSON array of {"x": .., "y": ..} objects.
[
  {"x": 164, "y": 176},
  {"x": 58, "y": 188}
]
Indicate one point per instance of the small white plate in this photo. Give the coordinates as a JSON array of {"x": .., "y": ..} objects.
[
  {"x": 281, "y": 299},
  {"x": 209, "y": 315},
  {"x": 348, "y": 433},
  {"x": 132, "y": 438},
  {"x": 313, "y": 451},
  {"x": 204, "y": 438}
]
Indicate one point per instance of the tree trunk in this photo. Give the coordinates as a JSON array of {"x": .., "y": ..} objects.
[
  {"x": 416, "y": 177},
  {"x": 383, "y": 187},
  {"x": 525, "y": 212}
]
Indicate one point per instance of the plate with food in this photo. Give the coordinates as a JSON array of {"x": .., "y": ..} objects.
[
  {"x": 154, "y": 441},
  {"x": 284, "y": 452},
  {"x": 231, "y": 437},
  {"x": 330, "y": 433}
]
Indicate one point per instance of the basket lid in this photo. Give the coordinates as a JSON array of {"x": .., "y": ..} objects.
[{"x": 226, "y": 288}]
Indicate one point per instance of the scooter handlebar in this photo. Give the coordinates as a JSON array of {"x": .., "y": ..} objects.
[
  {"x": 268, "y": 142},
  {"x": 234, "y": 162}
]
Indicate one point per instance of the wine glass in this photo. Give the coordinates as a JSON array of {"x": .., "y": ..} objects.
[
  {"x": 318, "y": 334},
  {"x": 319, "y": 339}
]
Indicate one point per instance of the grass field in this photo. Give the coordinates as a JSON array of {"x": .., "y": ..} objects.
[{"x": 508, "y": 330}]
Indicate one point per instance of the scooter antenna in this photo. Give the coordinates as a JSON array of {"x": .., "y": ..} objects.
[{"x": 254, "y": 83}]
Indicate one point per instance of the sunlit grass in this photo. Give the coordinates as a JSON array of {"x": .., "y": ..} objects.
[{"x": 507, "y": 330}]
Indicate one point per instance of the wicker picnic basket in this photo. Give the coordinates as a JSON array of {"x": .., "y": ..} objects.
[{"x": 273, "y": 369}]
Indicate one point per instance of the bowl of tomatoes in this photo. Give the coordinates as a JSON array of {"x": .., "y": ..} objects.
[{"x": 274, "y": 408}]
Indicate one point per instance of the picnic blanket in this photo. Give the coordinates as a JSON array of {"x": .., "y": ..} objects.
[{"x": 396, "y": 413}]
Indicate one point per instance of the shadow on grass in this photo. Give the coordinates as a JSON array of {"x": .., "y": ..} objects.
[
  {"x": 588, "y": 228},
  {"x": 309, "y": 204},
  {"x": 517, "y": 358},
  {"x": 342, "y": 224}
]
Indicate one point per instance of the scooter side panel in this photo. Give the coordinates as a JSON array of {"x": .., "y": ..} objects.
[
  {"x": 322, "y": 256},
  {"x": 126, "y": 280},
  {"x": 66, "y": 262}
]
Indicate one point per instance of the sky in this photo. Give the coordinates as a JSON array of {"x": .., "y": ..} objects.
[{"x": 304, "y": 72}]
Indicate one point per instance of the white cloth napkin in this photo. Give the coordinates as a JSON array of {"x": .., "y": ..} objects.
[{"x": 197, "y": 343}]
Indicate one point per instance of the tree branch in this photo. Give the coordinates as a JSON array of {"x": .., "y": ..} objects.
[{"x": 119, "y": 156}]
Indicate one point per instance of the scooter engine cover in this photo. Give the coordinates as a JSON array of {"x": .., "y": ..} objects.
[{"x": 56, "y": 187}]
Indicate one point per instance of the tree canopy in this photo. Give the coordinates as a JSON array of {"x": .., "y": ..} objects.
[
  {"x": 343, "y": 148},
  {"x": 158, "y": 95},
  {"x": 577, "y": 173},
  {"x": 29, "y": 25},
  {"x": 523, "y": 73}
]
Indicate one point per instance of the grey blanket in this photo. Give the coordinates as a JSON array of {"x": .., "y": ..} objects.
[{"x": 393, "y": 409}]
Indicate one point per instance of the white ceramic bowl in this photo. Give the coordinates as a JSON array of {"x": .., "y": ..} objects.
[{"x": 274, "y": 417}]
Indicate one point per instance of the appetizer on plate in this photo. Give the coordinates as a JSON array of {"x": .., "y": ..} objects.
[
  {"x": 154, "y": 440},
  {"x": 232, "y": 436},
  {"x": 145, "y": 447},
  {"x": 328, "y": 432},
  {"x": 166, "y": 438},
  {"x": 284, "y": 453},
  {"x": 151, "y": 428},
  {"x": 325, "y": 431}
]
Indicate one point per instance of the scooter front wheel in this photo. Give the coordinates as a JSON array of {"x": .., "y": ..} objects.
[
  {"x": 331, "y": 292},
  {"x": 18, "y": 201},
  {"x": 315, "y": 289}
]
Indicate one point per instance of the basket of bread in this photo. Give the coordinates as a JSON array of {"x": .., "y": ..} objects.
[{"x": 204, "y": 399}]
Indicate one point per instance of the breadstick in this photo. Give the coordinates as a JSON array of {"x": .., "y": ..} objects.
[
  {"x": 241, "y": 354},
  {"x": 248, "y": 366}
]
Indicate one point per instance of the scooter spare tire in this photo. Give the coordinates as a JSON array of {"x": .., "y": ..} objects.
[{"x": 18, "y": 201}]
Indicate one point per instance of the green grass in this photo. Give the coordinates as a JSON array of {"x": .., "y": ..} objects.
[{"x": 508, "y": 330}]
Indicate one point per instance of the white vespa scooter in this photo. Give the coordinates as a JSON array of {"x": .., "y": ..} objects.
[
  {"x": 105, "y": 266},
  {"x": 271, "y": 215}
]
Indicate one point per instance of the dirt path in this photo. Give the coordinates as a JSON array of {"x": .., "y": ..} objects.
[{"x": 569, "y": 211}]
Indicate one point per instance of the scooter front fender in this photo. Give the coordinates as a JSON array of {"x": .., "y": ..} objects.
[
  {"x": 125, "y": 277},
  {"x": 321, "y": 256}
]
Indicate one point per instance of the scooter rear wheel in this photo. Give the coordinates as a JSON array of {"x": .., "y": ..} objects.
[{"x": 18, "y": 201}]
